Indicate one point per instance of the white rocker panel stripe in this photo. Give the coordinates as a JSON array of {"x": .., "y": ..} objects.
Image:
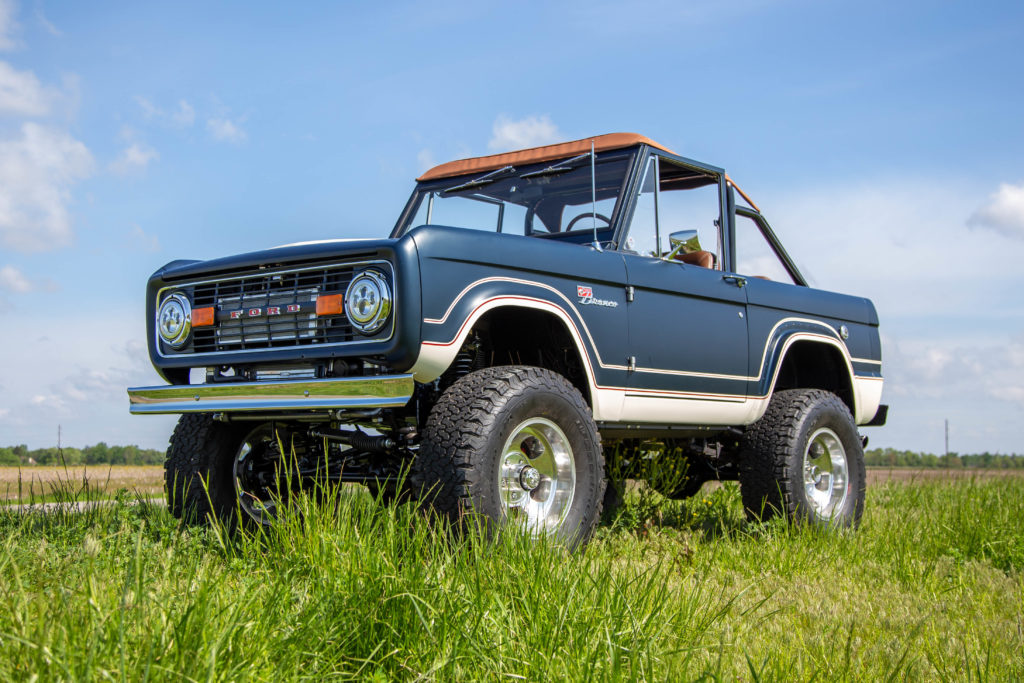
[{"x": 695, "y": 411}]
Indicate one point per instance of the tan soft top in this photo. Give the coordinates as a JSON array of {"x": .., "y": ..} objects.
[{"x": 602, "y": 143}]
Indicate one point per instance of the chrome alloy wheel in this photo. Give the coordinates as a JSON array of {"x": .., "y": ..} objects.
[
  {"x": 538, "y": 476},
  {"x": 826, "y": 473},
  {"x": 255, "y": 474}
]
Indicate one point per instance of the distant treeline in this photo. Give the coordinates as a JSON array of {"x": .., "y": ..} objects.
[
  {"x": 890, "y": 457},
  {"x": 100, "y": 454}
]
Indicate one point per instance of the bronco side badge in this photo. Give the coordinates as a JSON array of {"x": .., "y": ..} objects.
[{"x": 586, "y": 295}]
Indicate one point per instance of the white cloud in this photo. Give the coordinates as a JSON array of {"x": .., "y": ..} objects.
[
  {"x": 1004, "y": 212},
  {"x": 425, "y": 160},
  {"x": 144, "y": 240},
  {"x": 85, "y": 391},
  {"x": 37, "y": 170},
  {"x": 944, "y": 369},
  {"x": 531, "y": 131},
  {"x": 149, "y": 110},
  {"x": 910, "y": 259},
  {"x": 183, "y": 116},
  {"x": 8, "y": 25},
  {"x": 13, "y": 280},
  {"x": 46, "y": 23},
  {"x": 226, "y": 130},
  {"x": 21, "y": 93},
  {"x": 133, "y": 158}
]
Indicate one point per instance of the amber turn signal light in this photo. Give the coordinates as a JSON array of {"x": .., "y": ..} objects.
[
  {"x": 332, "y": 304},
  {"x": 203, "y": 317}
]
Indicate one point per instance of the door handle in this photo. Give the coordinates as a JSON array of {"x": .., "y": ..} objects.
[{"x": 735, "y": 279}]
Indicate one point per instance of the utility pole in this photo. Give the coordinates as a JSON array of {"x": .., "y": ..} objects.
[{"x": 947, "y": 437}]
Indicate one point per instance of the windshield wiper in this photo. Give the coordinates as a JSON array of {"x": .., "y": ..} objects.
[
  {"x": 560, "y": 167},
  {"x": 486, "y": 179}
]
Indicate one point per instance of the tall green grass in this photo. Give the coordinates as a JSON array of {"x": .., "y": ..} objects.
[{"x": 929, "y": 587}]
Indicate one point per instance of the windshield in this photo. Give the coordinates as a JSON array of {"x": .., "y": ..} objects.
[{"x": 551, "y": 199}]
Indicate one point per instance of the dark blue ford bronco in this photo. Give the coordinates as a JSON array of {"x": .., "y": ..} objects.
[{"x": 538, "y": 324}]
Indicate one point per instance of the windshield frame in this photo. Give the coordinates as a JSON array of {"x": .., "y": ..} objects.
[{"x": 627, "y": 156}]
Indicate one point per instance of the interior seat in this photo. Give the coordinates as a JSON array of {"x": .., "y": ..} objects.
[{"x": 702, "y": 259}]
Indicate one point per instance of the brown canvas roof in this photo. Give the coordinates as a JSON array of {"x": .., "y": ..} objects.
[{"x": 534, "y": 155}]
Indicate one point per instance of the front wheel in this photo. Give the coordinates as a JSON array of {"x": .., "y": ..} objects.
[
  {"x": 223, "y": 471},
  {"x": 804, "y": 459},
  {"x": 516, "y": 446}
]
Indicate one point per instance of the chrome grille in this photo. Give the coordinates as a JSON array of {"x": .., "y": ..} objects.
[
  {"x": 273, "y": 310},
  {"x": 288, "y": 327}
]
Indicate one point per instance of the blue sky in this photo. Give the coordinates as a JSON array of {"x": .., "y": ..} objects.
[{"x": 884, "y": 141}]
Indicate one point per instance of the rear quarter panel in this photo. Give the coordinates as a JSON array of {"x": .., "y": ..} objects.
[{"x": 780, "y": 313}]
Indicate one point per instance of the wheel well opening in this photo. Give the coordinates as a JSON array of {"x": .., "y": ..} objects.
[
  {"x": 810, "y": 365},
  {"x": 522, "y": 336}
]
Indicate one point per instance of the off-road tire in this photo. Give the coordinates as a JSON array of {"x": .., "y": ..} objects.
[
  {"x": 772, "y": 458},
  {"x": 614, "y": 497},
  {"x": 198, "y": 474},
  {"x": 457, "y": 469}
]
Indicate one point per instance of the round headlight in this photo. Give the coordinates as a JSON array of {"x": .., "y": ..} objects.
[
  {"x": 174, "y": 319},
  {"x": 368, "y": 301}
]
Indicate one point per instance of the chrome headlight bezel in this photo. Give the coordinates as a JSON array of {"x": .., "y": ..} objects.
[
  {"x": 368, "y": 301},
  {"x": 174, "y": 320}
]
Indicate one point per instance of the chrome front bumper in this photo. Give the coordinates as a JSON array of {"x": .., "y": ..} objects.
[{"x": 385, "y": 391}]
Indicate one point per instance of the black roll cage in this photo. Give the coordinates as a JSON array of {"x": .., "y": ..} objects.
[{"x": 629, "y": 192}]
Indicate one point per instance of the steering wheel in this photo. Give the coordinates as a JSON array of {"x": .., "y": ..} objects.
[{"x": 587, "y": 215}]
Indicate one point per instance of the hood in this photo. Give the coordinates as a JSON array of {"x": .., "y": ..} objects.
[{"x": 283, "y": 256}]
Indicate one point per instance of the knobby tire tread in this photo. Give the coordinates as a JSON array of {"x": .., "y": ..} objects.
[
  {"x": 769, "y": 483},
  {"x": 191, "y": 459},
  {"x": 458, "y": 429}
]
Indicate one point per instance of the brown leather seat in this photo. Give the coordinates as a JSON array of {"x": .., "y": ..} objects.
[{"x": 703, "y": 259}]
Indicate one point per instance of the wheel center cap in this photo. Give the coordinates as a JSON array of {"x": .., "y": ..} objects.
[{"x": 529, "y": 478}]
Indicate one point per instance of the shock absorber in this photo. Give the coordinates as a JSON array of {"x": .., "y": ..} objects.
[
  {"x": 469, "y": 358},
  {"x": 358, "y": 440},
  {"x": 463, "y": 363},
  {"x": 373, "y": 444}
]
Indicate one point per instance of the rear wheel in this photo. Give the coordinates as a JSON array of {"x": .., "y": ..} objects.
[
  {"x": 514, "y": 446},
  {"x": 804, "y": 459}
]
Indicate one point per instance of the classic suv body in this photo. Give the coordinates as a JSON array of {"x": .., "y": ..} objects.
[{"x": 559, "y": 271}]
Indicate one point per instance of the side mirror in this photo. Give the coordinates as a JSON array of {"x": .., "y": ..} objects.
[{"x": 684, "y": 241}]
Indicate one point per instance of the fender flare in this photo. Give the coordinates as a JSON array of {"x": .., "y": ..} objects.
[{"x": 865, "y": 391}]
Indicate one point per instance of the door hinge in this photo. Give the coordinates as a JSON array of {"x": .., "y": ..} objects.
[
  {"x": 631, "y": 363},
  {"x": 629, "y": 293}
]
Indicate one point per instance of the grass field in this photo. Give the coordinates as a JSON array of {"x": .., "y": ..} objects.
[
  {"x": 930, "y": 587},
  {"x": 43, "y": 483}
]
